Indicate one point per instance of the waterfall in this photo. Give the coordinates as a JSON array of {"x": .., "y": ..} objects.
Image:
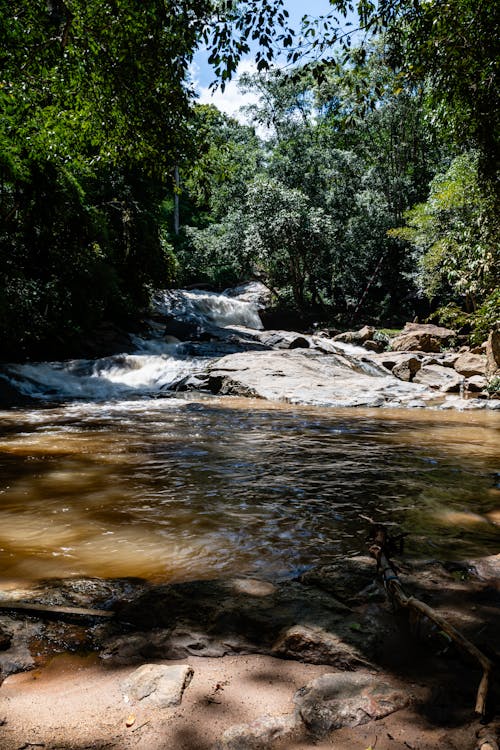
[
  {"x": 208, "y": 308},
  {"x": 153, "y": 367}
]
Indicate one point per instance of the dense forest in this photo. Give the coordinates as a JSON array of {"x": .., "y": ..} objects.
[{"x": 364, "y": 188}]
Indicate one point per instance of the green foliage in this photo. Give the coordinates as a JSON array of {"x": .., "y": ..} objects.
[
  {"x": 487, "y": 317},
  {"x": 493, "y": 386},
  {"x": 456, "y": 236}
]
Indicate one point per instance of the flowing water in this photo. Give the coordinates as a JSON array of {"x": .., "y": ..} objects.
[{"x": 107, "y": 480}]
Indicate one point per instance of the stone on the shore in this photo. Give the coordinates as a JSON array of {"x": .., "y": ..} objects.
[
  {"x": 356, "y": 337},
  {"x": 468, "y": 364},
  {"x": 407, "y": 368},
  {"x": 476, "y": 383},
  {"x": 259, "y": 734},
  {"x": 441, "y": 378},
  {"x": 316, "y": 646},
  {"x": 333, "y": 701},
  {"x": 422, "y": 337},
  {"x": 343, "y": 579},
  {"x": 162, "y": 686},
  {"x": 17, "y": 658}
]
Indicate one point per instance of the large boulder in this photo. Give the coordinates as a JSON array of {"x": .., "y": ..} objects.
[
  {"x": 440, "y": 378},
  {"x": 468, "y": 364},
  {"x": 407, "y": 368},
  {"x": 310, "y": 377},
  {"x": 422, "y": 337}
]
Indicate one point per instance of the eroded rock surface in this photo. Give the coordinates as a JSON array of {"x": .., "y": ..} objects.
[
  {"x": 333, "y": 701},
  {"x": 310, "y": 377},
  {"x": 162, "y": 686}
]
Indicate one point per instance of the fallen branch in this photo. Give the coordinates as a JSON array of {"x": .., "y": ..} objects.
[
  {"x": 380, "y": 551},
  {"x": 48, "y": 609}
]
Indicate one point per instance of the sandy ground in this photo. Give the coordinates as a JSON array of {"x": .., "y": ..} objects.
[{"x": 76, "y": 702}]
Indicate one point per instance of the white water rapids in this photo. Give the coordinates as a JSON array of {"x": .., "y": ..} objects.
[{"x": 152, "y": 368}]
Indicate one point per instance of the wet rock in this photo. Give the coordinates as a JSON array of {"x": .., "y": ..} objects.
[
  {"x": 259, "y": 734},
  {"x": 254, "y": 292},
  {"x": 441, "y": 378},
  {"x": 162, "y": 686},
  {"x": 5, "y": 639},
  {"x": 374, "y": 346},
  {"x": 487, "y": 569},
  {"x": 476, "y": 383},
  {"x": 469, "y": 364},
  {"x": 344, "y": 579},
  {"x": 10, "y": 396},
  {"x": 15, "y": 659},
  {"x": 407, "y": 368},
  {"x": 493, "y": 353},
  {"x": 183, "y": 330},
  {"x": 316, "y": 646},
  {"x": 356, "y": 337},
  {"x": 309, "y": 377},
  {"x": 333, "y": 701},
  {"x": 284, "y": 340}
]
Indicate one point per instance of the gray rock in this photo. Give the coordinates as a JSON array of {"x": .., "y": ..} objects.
[
  {"x": 162, "y": 686},
  {"x": 441, "y": 378},
  {"x": 333, "y": 701},
  {"x": 315, "y": 645},
  {"x": 407, "y": 368},
  {"x": 259, "y": 734},
  {"x": 309, "y": 377},
  {"x": 356, "y": 337},
  {"x": 426, "y": 361},
  {"x": 344, "y": 579},
  {"x": 469, "y": 364},
  {"x": 476, "y": 383},
  {"x": 284, "y": 340},
  {"x": 15, "y": 659}
]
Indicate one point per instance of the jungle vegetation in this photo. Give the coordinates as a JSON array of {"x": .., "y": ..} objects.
[{"x": 364, "y": 186}]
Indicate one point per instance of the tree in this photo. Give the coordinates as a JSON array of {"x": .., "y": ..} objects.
[{"x": 458, "y": 248}]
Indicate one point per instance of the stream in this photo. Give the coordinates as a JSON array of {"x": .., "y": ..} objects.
[{"x": 109, "y": 472}]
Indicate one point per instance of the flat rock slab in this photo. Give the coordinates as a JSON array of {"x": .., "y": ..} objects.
[
  {"x": 309, "y": 377},
  {"x": 259, "y": 734},
  {"x": 333, "y": 701},
  {"x": 160, "y": 685}
]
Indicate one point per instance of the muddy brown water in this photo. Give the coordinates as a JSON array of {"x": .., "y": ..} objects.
[{"x": 179, "y": 489}]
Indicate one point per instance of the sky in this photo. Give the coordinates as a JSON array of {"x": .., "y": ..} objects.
[{"x": 232, "y": 99}]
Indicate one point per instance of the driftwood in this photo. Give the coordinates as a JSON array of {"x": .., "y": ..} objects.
[
  {"x": 47, "y": 609},
  {"x": 380, "y": 549}
]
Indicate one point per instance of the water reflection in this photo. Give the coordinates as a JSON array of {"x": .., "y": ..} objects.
[{"x": 177, "y": 489}]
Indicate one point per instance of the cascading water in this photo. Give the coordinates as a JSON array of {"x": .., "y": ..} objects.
[
  {"x": 152, "y": 368},
  {"x": 208, "y": 308}
]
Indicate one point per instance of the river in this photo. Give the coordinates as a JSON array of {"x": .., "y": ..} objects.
[{"x": 136, "y": 481}]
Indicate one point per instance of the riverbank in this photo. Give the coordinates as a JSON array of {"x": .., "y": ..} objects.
[{"x": 253, "y": 646}]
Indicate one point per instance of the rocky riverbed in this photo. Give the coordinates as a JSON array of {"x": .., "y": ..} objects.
[{"x": 237, "y": 664}]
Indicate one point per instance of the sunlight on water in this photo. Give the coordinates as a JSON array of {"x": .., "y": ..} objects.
[{"x": 176, "y": 489}]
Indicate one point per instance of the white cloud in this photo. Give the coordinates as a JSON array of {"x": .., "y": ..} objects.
[{"x": 231, "y": 99}]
